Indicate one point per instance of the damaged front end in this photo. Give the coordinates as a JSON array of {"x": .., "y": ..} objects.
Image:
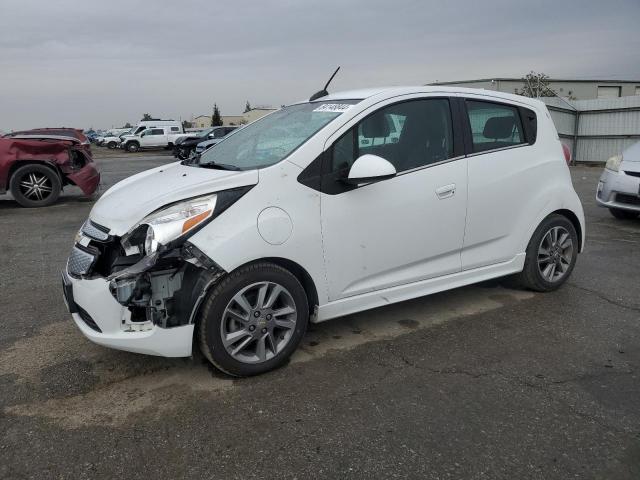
[
  {"x": 153, "y": 271},
  {"x": 164, "y": 289}
]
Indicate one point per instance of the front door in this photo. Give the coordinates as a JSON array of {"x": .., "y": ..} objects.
[
  {"x": 400, "y": 230},
  {"x": 152, "y": 137}
]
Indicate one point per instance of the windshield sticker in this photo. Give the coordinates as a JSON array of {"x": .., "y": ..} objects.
[{"x": 333, "y": 107}]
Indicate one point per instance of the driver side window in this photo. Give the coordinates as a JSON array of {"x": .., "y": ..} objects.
[{"x": 409, "y": 135}]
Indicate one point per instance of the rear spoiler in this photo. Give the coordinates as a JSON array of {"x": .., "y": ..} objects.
[{"x": 45, "y": 137}]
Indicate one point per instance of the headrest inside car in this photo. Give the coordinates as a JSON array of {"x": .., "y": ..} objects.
[
  {"x": 375, "y": 126},
  {"x": 499, "y": 127}
]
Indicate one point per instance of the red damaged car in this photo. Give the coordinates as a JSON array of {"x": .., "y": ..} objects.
[{"x": 35, "y": 165}]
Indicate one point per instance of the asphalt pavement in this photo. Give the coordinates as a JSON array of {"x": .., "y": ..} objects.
[{"x": 480, "y": 382}]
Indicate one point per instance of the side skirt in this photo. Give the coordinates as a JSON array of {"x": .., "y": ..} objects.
[{"x": 400, "y": 293}]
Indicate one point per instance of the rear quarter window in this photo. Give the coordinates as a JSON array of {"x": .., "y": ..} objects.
[{"x": 494, "y": 125}]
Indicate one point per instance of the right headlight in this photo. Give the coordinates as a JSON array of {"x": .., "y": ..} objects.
[
  {"x": 613, "y": 163},
  {"x": 172, "y": 224}
]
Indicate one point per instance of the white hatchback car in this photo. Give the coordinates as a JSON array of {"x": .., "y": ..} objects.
[{"x": 325, "y": 208}]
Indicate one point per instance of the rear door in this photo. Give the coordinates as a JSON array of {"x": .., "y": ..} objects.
[
  {"x": 404, "y": 229},
  {"x": 502, "y": 178}
]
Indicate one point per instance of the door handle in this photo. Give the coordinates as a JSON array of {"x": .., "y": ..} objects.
[{"x": 446, "y": 191}]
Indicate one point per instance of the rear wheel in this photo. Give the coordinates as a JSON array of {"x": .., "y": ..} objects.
[
  {"x": 623, "y": 214},
  {"x": 551, "y": 255},
  {"x": 253, "y": 320},
  {"x": 35, "y": 186}
]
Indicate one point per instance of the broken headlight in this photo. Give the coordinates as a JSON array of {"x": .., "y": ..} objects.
[{"x": 168, "y": 224}]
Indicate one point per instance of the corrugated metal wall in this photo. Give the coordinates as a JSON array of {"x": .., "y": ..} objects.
[{"x": 606, "y": 127}]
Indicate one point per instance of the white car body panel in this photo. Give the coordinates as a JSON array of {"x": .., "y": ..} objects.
[{"x": 437, "y": 227}]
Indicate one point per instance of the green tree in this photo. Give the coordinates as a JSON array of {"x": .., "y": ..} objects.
[
  {"x": 186, "y": 125},
  {"x": 127, "y": 125},
  {"x": 146, "y": 117},
  {"x": 216, "y": 118},
  {"x": 247, "y": 107},
  {"x": 536, "y": 85}
]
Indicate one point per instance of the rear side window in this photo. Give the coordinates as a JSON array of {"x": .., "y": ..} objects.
[
  {"x": 175, "y": 129},
  {"x": 494, "y": 125}
]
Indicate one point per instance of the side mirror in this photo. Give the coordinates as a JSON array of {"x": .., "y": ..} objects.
[{"x": 368, "y": 169}]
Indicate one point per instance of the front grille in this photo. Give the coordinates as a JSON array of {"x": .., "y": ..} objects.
[
  {"x": 86, "y": 318},
  {"x": 96, "y": 231},
  {"x": 629, "y": 199},
  {"x": 633, "y": 174},
  {"x": 81, "y": 260}
]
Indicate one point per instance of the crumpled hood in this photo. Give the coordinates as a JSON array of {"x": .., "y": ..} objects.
[{"x": 132, "y": 199}]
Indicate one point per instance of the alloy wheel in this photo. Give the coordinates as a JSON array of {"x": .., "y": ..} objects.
[
  {"x": 36, "y": 186},
  {"x": 555, "y": 254},
  {"x": 258, "y": 322}
]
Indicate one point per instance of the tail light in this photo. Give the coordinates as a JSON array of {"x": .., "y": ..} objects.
[{"x": 567, "y": 154}]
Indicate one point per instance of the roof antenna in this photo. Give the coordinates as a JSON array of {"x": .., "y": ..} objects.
[{"x": 323, "y": 92}]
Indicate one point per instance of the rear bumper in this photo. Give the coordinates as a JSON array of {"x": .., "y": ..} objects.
[
  {"x": 87, "y": 178},
  {"x": 104, "y": 321},
  {"x": 618, "y": 190}
]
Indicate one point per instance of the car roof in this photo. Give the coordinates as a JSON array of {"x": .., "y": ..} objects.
[{"x": 366, "y": 93}]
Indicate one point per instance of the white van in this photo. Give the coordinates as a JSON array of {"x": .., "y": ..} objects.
[
  {"x": 295, "y": 218},
  {"x": 174, "y": 126}
]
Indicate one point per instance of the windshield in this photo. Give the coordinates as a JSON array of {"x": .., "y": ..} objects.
[{"x": 272, "y": 138}]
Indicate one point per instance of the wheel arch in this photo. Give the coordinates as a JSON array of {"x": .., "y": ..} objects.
[
  {"x": 297, "y": 271},
  {"x": 45, "y": 163},
  {"x": 573, "y": 218},
  {"x": 294, "y": 268}
]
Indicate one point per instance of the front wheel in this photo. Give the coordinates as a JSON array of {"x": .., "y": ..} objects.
[
  {"x": 253, "y": 320},
  {"x": 551, "y": 255},
  {"x": 623, "y": 214},
  {"x": 132, "y": 147},
  {"x": 111, "y": 145}
]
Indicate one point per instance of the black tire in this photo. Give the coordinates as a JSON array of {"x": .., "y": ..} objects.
[
  {"x": 132, "y": 147},
  {"x": 111, "y": 145},
  {"x": 623, "y": 214},
  {"x": 46, "y": 177},
  {"x": 211, "y": 318},
  {"x": 531, "y": 276}
]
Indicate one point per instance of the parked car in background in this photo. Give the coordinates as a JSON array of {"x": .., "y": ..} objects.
[
  {"x": 36, "y": 165},
  {"x": 186, "y": 146},
  {"x": 207, "y": 144},
  {"x": 619, "y": 185},
  {"x": 114, "y": 141},
  {"x": 153, "y": 137},
  {"x": 75, "y": 133},
  {"x": 293, "y": 219},
  {"x": 110, "y": 134}
]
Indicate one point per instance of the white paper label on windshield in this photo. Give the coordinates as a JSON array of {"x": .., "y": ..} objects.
[{"x": 333, "y": 107}]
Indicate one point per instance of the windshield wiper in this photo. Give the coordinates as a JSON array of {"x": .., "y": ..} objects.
[{"x": 219, "y": 166}]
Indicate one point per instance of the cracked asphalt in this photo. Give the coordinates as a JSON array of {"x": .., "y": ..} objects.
[{"x": 480, "y": 382}]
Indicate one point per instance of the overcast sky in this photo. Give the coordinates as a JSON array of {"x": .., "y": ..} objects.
[{"x": 101, "y": 64}]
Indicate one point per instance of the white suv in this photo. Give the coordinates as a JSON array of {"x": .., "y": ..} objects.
[{"x": 325, "y": 208}]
